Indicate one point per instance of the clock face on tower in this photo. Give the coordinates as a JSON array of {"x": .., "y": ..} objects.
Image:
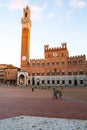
[
  {"x": 23, "y": 58},
  {"x": 55, "y": 54}
]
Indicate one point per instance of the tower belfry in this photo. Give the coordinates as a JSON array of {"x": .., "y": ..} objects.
[{"x": 25, "y": 41}]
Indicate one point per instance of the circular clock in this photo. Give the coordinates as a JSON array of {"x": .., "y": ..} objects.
[
  {"x": 23, "y": 58},
  {"x": 55, "y": 54}
]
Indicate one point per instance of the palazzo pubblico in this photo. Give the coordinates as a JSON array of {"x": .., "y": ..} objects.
[{"x": 56, "y": 69}]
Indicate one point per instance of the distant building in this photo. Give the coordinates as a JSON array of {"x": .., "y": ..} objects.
[
  {"x": 56, "y": 69},
  {"x": 8, "y": 74},
  {"x": 2, "y": 73}
]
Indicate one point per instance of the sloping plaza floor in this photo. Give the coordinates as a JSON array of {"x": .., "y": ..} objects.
[
  {"x": 38, "y": 111},
  {"x": 22, "y": 101}
]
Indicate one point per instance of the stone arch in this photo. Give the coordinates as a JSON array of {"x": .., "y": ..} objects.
[{"x": 22, "y": 78}]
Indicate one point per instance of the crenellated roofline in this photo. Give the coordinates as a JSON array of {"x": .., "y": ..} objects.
[{"x": 63, "y": 47}]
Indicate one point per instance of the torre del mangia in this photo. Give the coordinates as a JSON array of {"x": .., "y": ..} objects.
[{"x": 57, "y": 68}]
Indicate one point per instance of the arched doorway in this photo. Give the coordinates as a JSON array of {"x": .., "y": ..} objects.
[{"x": 21, "y": 79}]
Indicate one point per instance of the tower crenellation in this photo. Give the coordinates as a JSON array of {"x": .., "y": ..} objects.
[
  {"x": 25, "y": 20},
  {"x": 47, "y": 48},
  {"x": 64, "y": 45}
]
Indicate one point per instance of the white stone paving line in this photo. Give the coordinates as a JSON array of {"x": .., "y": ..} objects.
[{"x": 41, "y": 123}]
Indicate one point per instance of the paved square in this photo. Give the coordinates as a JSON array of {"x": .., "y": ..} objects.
[{"x": 22, "y": 101}]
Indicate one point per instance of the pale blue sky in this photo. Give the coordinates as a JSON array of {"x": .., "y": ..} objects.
[{"x": 53, "y": 22}]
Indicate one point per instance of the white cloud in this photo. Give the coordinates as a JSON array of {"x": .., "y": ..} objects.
[
  {"x": 78, "y": 3},
  {"x": 58, "y": 2},
  {"x": 17, "y": 4},
  {"x": 37, "y": 11}
]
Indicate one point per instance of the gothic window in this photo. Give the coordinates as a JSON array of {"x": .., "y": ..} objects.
[
  {"x": 38, "y": 74},
  {"x": 80, "y": 61},
  {"x": 33, "y": 64},
  {"x": 75, "y": 82},
  {"x": 33, "y": 74},
  {"x": 25, "y": 15},
  {"x": 42, "y": 74},
  {"x": 38, "y": 64},
  {"x": 53, "y": 81},
  {"x": 63, "y": 81},
  {"x": 81, "y": 72},
  {"x": 28, "y": 81},
  {"x": 62, "y": 62},
  {"x": 81, "y": 81},
  {"x": 48, "y": 81},
  {"x": 48, "y": 73},
  {"x": 42, "y": 81},
  {"x": 75, "y": 73},
  {"x": 69, "y": 62},
  {"x": 48, "y": 63},
  {"x": 57, "y": 63},
  {"x": 43, "y": 64},
  {"x": 70, "y": 81},
  {"x": 58, "y": 73},
  {"x": 53, "y": 63},
  {"x": 69, "y": 73},
  {"x": 74, "y": 61},
  {"x": 63, "y": 73},
  {"x": 58, "y": 81}
]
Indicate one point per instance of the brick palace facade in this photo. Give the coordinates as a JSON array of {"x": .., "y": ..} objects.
[{"x": 56, "y": 69}]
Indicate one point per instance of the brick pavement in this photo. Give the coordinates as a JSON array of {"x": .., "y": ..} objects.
[{"x": 20, "y": 101}]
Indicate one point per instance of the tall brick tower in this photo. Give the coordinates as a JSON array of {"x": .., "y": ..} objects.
[{"x": 25, "y": 43}]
